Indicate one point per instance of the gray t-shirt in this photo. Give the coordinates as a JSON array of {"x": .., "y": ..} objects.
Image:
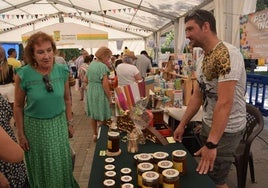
[
  {"x": 143, "y": 64},
  {"x": 224, "y": 63}
]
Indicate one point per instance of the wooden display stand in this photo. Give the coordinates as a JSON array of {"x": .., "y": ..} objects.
[
  {"x": 124, "y": 123},
  {"x": 159, "y": 124},
  {"x": 188, "y": 88}
]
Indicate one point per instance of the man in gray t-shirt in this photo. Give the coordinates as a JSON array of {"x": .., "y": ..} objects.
[{"x": 143, "y": 63}]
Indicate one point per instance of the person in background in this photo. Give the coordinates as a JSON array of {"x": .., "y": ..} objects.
[
  {"x": 143, "y": 63},
  {"x": 99, "y": 97},
  {"x": 43, "y": 114},
  {"x": 127, "y": 72},
  {"x": 79, "y": 61},
  {"x": 14, "y": 170},
  {"x": 82, "y": 72},
  {"x": 6, "y": 78},
  {"x": 72, "y": 66},
  {"x": 169, "y": 68},
  {"x": 220, "y": 90},
  {"x": 126, "y": 50},
  {"x": 12, "y": 55},
  {"x": 60, "y": 57}
]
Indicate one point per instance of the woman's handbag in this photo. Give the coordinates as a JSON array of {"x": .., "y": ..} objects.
[{"x": 71, "y": 80}]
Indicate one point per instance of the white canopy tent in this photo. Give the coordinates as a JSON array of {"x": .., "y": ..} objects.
[{"x": 129, "y": 21}]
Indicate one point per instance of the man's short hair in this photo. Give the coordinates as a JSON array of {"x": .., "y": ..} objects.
[
  {"x": 201, "y": 16},
  {"x": 144, "y": 52},
  {"x": 10, "y": 51}
]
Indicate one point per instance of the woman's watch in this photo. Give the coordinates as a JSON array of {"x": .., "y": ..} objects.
[{"x": 211, "y": 145}]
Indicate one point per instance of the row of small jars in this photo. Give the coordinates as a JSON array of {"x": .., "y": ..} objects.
[{"x": 110, "y": 175}]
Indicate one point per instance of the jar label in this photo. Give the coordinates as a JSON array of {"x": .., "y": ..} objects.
[
  {"x": 178, "y": 166},
  {"x": 167, "y": 185},
  {"x": 110, "y": 144},
  {"x": 139, "y": 180}
]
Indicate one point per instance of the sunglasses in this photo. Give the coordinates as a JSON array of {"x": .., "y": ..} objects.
[{"x": 48, "y": 85}]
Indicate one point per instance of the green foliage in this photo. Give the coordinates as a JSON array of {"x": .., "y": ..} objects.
[
  {"x": 261, "y": 5},
  {"x": 164, "y": 50},
  {"x": 166, "y": 46},
  {"x": 70, "y": 53},
  {"x": 169, "y": 39}
]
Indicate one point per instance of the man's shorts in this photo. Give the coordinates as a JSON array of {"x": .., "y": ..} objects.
[{"x": 225, "y": 153}]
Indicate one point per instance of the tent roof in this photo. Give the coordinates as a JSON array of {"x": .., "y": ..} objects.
[{"x": 134, "y": 18}]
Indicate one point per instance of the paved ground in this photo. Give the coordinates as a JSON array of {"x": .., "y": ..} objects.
[{"x": 84, "y": 147}]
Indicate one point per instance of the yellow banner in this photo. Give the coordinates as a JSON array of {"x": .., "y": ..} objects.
[{"x": 92, "y": 36}]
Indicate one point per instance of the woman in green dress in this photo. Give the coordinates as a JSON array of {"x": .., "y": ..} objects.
[
  {"x": 99, "y": 99},
  {"x": 43, "y": 115}
]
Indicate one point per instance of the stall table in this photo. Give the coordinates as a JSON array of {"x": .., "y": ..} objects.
[{"x": 190, "y": 180}]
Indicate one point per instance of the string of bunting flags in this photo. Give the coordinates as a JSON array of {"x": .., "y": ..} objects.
[{"x": 46, "y": 17}]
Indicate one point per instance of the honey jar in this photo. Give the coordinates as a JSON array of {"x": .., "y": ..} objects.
[
  {"x": 109, "y": 167},
  {"x": 126, "y": 179},
  {"x": 143, "y": 167},
  {"x": 144, "y": 157},
  {"x": 170, "y": 178},
  {"x": 179, "y": 161},
  {"x": 109, "y": 160},
  {"x": 162, "y": 165},
  {"x": 150, "y": 179},
  {"x": 113, "y": 141},
  {"x": 109, "y": 183},
  {"x": 110, "y": 175},
  {"x": 125, "y": 171},
  {"x": 127, "y": 185},
  {"x": 159, "y": 156}
]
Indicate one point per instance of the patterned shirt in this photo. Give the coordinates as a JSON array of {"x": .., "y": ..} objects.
[{"x": 223, "y": 63}]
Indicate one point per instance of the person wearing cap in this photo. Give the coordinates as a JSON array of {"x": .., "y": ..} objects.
[{"x": 127, "y": 72}]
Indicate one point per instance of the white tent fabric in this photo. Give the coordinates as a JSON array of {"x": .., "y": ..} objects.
[
  {"x": 70, "y": 35},
  {"x": 132, "y": 20}
]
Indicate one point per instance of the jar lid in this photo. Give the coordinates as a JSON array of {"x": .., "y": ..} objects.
[
  {"x": 125, "y": 170},
  {"x": 109, "y": 160},
  {"x": 136, "y": 156},
  {"x": 113, "y": 133},
  {"x": 144, "y": 157},
  {"x": 170, "y": 173},
  {"x": 127, "y": 185},
  {"x": 160, "y": 155},
  {"x": 145, "y": 166},
  {"x": 126, "y": 178},
  {"x": 109, "y": 182},
  {"x": 109, "y": 167},
  {"x": 179, "y": 153},
  {"x": 150, "y": 176},
  {"x": 110, "y": 173},
  {"x": 165, "y": 164}
]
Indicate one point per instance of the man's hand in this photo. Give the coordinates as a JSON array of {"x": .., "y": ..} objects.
[
  {"x": 207, "y": 159},
  {"x": 177, "y": 135}
]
